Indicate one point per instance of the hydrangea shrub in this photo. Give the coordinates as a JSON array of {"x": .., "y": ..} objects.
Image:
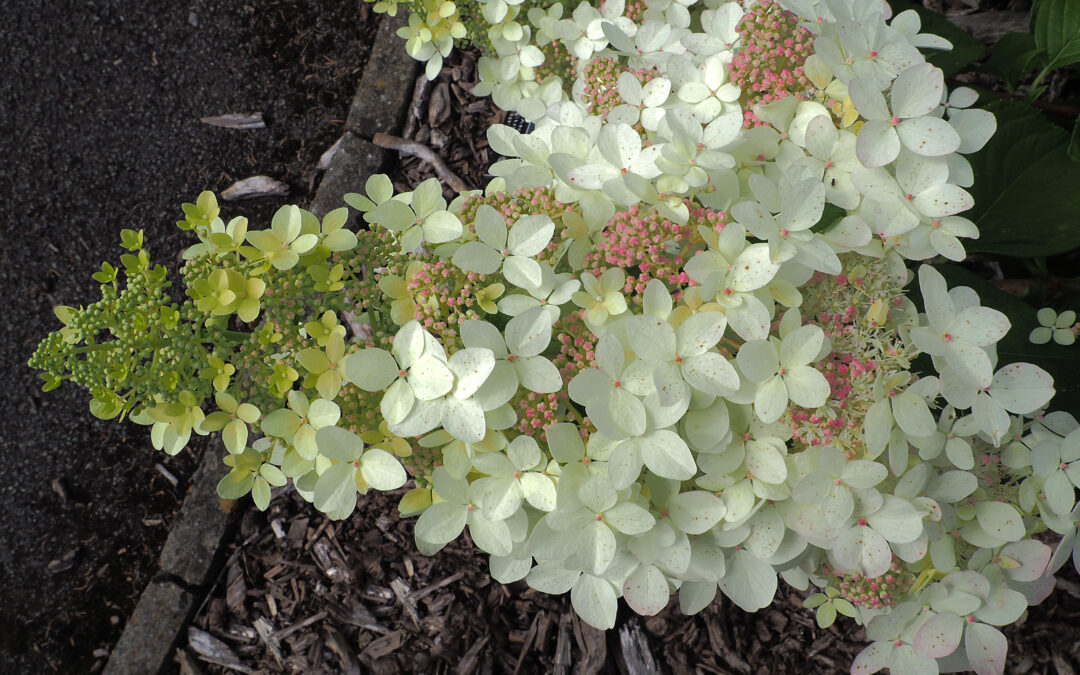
[{"x": 668, "y": 350}]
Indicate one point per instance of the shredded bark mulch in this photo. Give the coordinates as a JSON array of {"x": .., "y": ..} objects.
[{"x": 301, "y": 593}]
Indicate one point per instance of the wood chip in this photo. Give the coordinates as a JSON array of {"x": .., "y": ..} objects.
[
  {"x": 592, "y": 646},
  {"x": 331, "y": 563},
  {"x": 530, "y": 636},
  {"x": 428, "y": 590},
  {"x": 635, "y": 649},
  {"x": 337, "y": 644},
  {"x": 472, "y": 657},
  {"x": 265, "y": 629},
  {"x": 328, "y": 156},
  {"x": 236, "y": 590},
  {"x": 380, "y": 647},
  {"x": 189, "y": 665},
  {"x": 160, "y": 468},
  {"x": 236, "y": 121},
  {"x": 425, "y": 153},
  {"x": 255, "y": 186},
  {"x": 562, "y": 647},
  {"x": 64, "y": 563},
  {"x": 213, "y": 650},
  {"x": 402, "y": 592},
  {"x": 439, "y": 105},
  {"x": 314, "y": 618}
]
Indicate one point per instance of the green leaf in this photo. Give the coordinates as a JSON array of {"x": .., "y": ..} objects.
[
  {"x": 260, "y": 493},
  {"x": 966, "y": 49},
  {"x": 1074, "y": 142},
  {"x": 826, "y": 615},
  {"x": 1057, "y": 30},
  {"x": 235, "y": 484},
  {"x": 1015, "y": 55},
  {"x": 1025, "y": 163}
]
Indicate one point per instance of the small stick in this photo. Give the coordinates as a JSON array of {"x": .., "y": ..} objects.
[
  {"x": 419, "y": 89},
  {"x": 168, "y": 476},
  {"x": 425, "y": 153}
]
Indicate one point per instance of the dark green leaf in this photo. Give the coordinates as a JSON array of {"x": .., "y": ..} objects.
[
  {"x": 966, "y": 49},
  {"x": 1074, "y": 142},
  {"x": 1057, "y": 30},
  {"x": 1015, "y": 56},
  {"x": 1026, "y": 198},
  {"x": 1063, "y": 363}
]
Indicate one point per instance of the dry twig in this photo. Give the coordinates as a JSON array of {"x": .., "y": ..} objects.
[{"x": 425, "y": 153}]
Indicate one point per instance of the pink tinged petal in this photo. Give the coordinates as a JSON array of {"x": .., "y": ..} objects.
[
  {"x": 916, "y": 173},
  {"x": 986, "y": 648},
  {"x": 930, "y": 136},
  {"x": 940, "y": 636},
  {"x": 693, "y": 92},
  {"x": 939, "y": 306},
  {"x": 1022, "y": 388},
  {"x": 868, "y": 100},
  {"x": 970, "y": 362},
  {"x": 755, "y": 218},
  {"x": 947, "y": 245},
  {"x": 821, "y": 137},
  {"x": 917, "y": 91},
  {"x": 771, "y": 399},
  {"x": 807, "y": 387},
  {"x": 981, "y": 326},
  {"x": 877, "y": 144},
  {"x": 975, "y": 127},
  {"x": 873, "y": 658},
  {"x": 943, "y": 200},
  {"x": 877, "y": 184}
]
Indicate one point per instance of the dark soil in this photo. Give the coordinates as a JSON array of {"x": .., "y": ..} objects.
[{"x": 99, "y": 130}]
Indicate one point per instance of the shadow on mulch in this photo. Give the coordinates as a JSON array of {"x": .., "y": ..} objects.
[
  {"x": 300, "y": 593},
  {"x": 99, "y": 129}
]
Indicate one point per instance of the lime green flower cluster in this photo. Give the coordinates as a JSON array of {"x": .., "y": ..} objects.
[
  {"x": 134, "y": 347},
  {"x": 259, "y": 341}
]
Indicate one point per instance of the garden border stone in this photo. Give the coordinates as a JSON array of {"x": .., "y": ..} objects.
[{"x": 191, "y": 557}]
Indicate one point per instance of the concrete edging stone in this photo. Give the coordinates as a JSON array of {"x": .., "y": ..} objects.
[{"x": 190, "y": 559}]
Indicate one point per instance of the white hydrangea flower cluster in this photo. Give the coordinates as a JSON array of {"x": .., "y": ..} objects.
[{"x": 698, "y": 374}]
